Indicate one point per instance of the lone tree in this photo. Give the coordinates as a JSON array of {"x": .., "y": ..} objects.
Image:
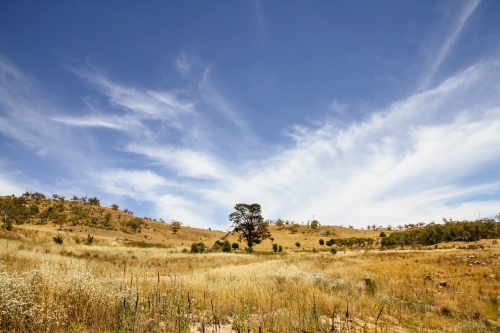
[
  {"x": 249, "y": 224},
  {"x": 175, "y": 226}
]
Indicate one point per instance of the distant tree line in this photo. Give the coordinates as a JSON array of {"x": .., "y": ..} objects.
[
  {"x": 349, "y": 242},
  {"x": 449, "y": 231}
]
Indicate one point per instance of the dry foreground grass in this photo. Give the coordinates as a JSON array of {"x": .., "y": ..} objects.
[{"x": 110, "y": 287}]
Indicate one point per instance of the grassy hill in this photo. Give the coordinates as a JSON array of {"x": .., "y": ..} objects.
[{"x": 74, "y": 220}]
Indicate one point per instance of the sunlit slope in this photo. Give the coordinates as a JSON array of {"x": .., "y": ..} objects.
[{"x": 74, "y": 221}]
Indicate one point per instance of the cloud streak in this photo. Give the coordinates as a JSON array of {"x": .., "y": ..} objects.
[
  {"x": 417, "y": 159},
  {"x": 450, "y": 40},
  {"x": 406, "y": 163}
]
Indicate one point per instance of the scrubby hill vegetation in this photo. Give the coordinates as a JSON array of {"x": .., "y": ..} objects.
[
  {"x": 36, "y": 209},
  {"x": 450, "y": 231}
]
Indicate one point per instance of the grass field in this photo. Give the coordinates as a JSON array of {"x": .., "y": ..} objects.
[
  {"x": 115, "y": 272},
  {"x": 111, "y": 286}
]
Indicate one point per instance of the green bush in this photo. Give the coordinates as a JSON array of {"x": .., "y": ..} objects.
[
  {"x": 333, "y": 250},
  {"x": 275, "y": 247},
  {"x": 235, "y": 246},
  {"x": 58, "y": 239},
  {"x": 197, "y": 248},
  {"x": 224, "y": 246},
  {"x": 322, "y": 242}
]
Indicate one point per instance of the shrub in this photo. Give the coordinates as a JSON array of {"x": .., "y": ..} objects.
[
  {"x": 94, "y": 201},
  {"x": 235, "y": 246},
  {"x": 322, "y": 242},
  {"x": 329, "y": 243},
  {"x": 371, "y": 287},
  {"x": 58, "y": 239},
  {"x": 115, "y": 206},
  {"x": 382, "y": 234},
  {"x": 275, "y": 247},
  {"x": 297, "y": 244},
  {"x": 280, "y": 248},
  {"x": 293, "y": 228},
  {"x": 135, "y": 224},
  {"x": 197, "y": 248},
  {"x": 90, "y": 239},
  {"x": 224, "y": 246},
  {"x": 333, "y": 250}
]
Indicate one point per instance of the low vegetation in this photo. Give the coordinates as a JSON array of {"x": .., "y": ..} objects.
[
  {"x": 201, "y": 281},
  {"x": 465, "y": 231}
]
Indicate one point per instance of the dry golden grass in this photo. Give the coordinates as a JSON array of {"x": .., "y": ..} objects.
[
  {"x": 108, "y": 287},
  {"x": 161, "y": 235}
]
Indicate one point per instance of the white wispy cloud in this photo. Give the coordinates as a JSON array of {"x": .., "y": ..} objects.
[
  {"x": 149, "y": 186},
  {"x": 258, "y": 14},
  {"x": 9, "y": 181},
  {"x": 183, "y": 65},
  {"x": 340, "y": 108},
  {"x": 436, "y": 59},
  {"x": 185, "y": 162},
  {"x": 407, "y": 162},
  {"x": 190, "y": 113},
  {"x": 210, "y": 95},
  {"x": 415, "y": 159},
  {"x": 117, "y": 123},
  {"x": 140, "y": 184},
  {"x": 25, "y": 115},
  {"x": 162, "y": 105}
]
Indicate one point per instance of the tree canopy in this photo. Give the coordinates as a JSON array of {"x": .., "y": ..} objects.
[
  {"x": 249, "y": 224},
  {"x": 465, "y": 231},
  {"x": 175, "y": 226}
]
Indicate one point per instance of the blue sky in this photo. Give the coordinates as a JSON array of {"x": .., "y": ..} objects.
[{"x": 356, "y": 112}]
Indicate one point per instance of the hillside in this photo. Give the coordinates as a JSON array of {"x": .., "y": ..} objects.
[
  {"x": 135, "y": 276},
  {"x": 74, "y": 220}
]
